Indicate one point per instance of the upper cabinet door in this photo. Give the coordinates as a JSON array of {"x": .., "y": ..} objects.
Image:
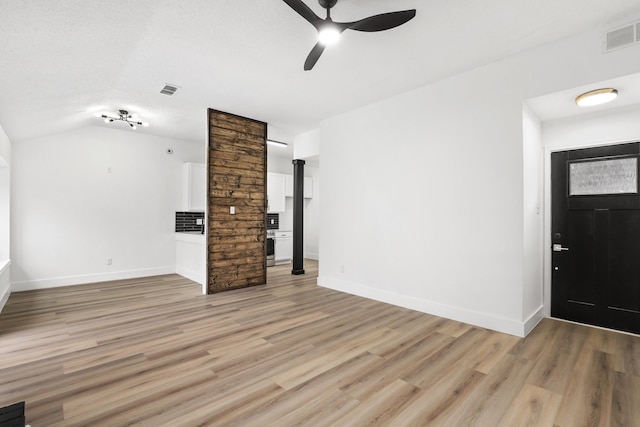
[
  {"x": 194, "y": 187},
  {"x": 275, "y": 192}
]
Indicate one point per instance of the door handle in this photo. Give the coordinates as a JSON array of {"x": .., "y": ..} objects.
[{"x": 557, "y": 247}]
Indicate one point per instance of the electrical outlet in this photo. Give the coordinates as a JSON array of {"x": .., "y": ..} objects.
[
  {"x": 198, "y": 221},
  {"x": 109, "y": 261}
]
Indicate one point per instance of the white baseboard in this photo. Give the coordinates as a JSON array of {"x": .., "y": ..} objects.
[
  {"x": 483, "y": 320},
  {"x": 191, "y": 274},
  {"x": 4, "y": 298},
  {"x": 5, "y": 282},
  {"x": 29, "y": 285},
  {"x": 312, "y": 255},
  {"x": 533, "y": 320}
]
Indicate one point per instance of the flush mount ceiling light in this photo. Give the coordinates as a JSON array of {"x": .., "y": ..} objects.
[
  {"x": 277, "y": 143},
  {"x": 124, "y": 116},
  {"x": 596, "y": 97}
]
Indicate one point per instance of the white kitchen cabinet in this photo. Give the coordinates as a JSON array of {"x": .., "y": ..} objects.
[
  {"x": 283, "y": 246},
  {"x": 191, "y": 257},
  {"x": 194, "y": 187},
  {"x": 308, "y": 187},
  {"x": 275, "y": 192}
]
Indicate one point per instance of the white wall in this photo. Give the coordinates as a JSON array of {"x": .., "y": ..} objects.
[
  {"x": 312, "y": 216},
  {"x": 532, "y": 155},
  {"x": 307, "y": 147},
  {"x": 5, "y": 218},
  {"x": 282, "y": 165},
  {"x": 611, "y": 127},
  {"x": 82, "y": 197},
  {"x": 5, "y": 191},
  {"x": 423, "y": 201}
]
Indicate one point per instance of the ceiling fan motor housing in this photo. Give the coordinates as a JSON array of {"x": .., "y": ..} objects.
[{"x": 327, "y": 4}]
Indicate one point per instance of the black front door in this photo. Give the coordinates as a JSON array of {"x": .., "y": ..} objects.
[{"x": 595, "y": 233}]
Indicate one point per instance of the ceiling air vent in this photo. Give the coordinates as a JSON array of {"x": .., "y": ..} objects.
[
  {"x": 169, "y": 89},
  {"x": 622, "y": 37}
]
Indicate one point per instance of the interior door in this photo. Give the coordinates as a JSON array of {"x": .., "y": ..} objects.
[{"x": 595, "y": 228}]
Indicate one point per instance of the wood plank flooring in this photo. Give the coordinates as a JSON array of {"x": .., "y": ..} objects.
[{"x": 154, "y": 352}]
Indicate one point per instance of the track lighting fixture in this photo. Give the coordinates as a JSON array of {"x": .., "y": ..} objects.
[
  {"x": 124, "y": 116},
  {"x": 277, "y": 143}
]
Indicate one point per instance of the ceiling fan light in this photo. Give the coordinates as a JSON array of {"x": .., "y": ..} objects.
[
  {"x": 596, "y": 97},
  {"x": 328, "y": 35}
]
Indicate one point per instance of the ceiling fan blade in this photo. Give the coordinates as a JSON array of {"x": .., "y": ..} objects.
[
  {"x": 313, "y": 57},
  {"x": 384, "y": 21},
  {"x": 304, "y": 11}
]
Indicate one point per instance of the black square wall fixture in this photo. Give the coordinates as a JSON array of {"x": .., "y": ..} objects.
[
  {"x": 187, "y": 221},
  {"x": 12, "y": 415},
  {"x": 273, "y": 221}
]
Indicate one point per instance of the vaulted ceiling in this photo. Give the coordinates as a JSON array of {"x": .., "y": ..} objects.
[{"x": 63, "y": 61}]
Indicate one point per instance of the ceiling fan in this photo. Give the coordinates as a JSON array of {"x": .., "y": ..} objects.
[{"x": 329, "y": 31}]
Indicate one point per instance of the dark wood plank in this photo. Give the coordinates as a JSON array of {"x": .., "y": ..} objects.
[
  {"x": 237, "y": 177},
  {"x": 237, "y": 123}
]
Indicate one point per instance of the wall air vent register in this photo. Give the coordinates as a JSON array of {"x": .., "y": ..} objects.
[
  {"x": 622, "y": 37},
  {"x": 169, "y": 89}
]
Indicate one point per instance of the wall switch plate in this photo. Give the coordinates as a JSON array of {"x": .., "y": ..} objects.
[
  {"x": 198, "y": 221},
  {"x": 109, "y": 261},
  {"x": 232, "y": 210}
]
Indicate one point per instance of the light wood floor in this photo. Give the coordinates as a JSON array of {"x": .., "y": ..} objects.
[{"x": 155, "y": 352}]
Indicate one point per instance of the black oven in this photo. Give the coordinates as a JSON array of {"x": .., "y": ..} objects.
[{"x": 271, "y": 249}]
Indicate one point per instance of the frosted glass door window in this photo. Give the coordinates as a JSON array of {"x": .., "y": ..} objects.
[{"x": 615, "y": 176}]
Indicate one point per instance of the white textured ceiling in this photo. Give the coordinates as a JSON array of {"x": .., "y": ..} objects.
[{"x": 61, "y": 61}]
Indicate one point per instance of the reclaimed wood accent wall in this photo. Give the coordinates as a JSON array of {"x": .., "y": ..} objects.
[{"x": 237, "y": 171}]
